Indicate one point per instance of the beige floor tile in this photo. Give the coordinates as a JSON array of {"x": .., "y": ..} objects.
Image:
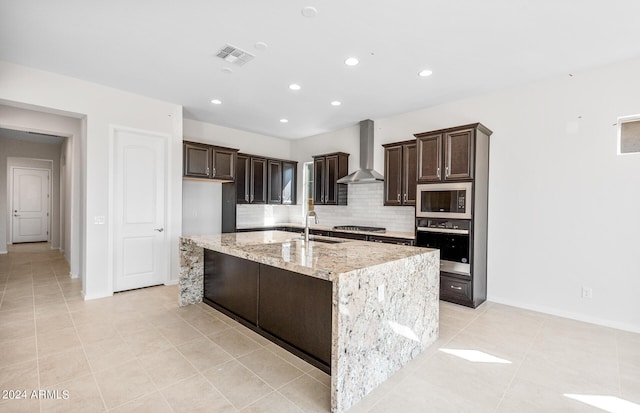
[
  {"x": 180, "y": 332},
  {"x": 272, "y": 403},
  {"x": 528, "y": 397},
  {"x": 167, "y": 367},
  {"x": 18, "y": 351},
  {"x": 47, "y": 323},
  {"x": 306, "y": 393},
  {"x": 91, "y": 333},
  {"x": 630, "y": 383},
  {"x": 20, "y": 406},
  {"x": 292, "y": 359},
  {"x": 235, "y": 343},
  {"x": 147, "y": 341},
  {"x": 270, "y": 368},
  {"x": 19, "y": 376},
  {"x": 321, "y": 376},
  {"x": 17, "y": 329},
  {"x": 206, "y": 323},
  {"x": 61, "y": 367},
  {"x": 58, "y": 341},
  {"x": 123, "y": 383},
  {"x": 105, "y": 353},
  {"x": 152, "y": 403},
  {"x": 204, "y": 354},
  {"x": 83, "y": 396},
  {"x": 196, "y": 395},
  {"x": 238, "y": 384}
]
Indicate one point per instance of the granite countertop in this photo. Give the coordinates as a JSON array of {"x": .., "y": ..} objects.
[
  {"x": 391, "y": 234},
  {"x": 317, "y": 259}
]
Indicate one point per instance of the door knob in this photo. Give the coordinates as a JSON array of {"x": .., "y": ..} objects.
[
  {"x": 158, "y": 229},
  {"x": 16, "y": 215}
]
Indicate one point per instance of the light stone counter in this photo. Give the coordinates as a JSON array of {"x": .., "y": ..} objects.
[{"x": 384, "y": 305}]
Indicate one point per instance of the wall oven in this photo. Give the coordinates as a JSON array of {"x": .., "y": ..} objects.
[
  {"x": 451, "y": 237},
  {"x": 447, "y": 200}
]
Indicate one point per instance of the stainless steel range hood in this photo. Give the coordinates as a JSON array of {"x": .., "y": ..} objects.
[{"x": 366, "y": 174}]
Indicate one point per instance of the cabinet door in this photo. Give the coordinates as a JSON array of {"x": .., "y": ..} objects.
[
  {"x": 289, "y": 171},
  {"x": 197, "y": 160},
  {"x": 429, "y": 158},
  {"x": 297, "y": 309},
  {"x": 409, "y": 176},
  {"x": 330, "y": 184},
  {"x": 458, "y": 159},
  {"x": 223, "y": 164},
  {"x": 275, "y": 182},
  {"x": 318, "y": 180},
  {"x": 232, "y": 283},
  {"x": 243, "y": 186},
  {"x": 258, "y": 193},
  {"x": 393, "y": 175}
]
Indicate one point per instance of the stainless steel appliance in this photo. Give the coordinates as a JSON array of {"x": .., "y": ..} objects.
[
  {"x": 451, "y": 237},
  {"x": 446, "y": 200},
  {"x": 359, "y": 228}
]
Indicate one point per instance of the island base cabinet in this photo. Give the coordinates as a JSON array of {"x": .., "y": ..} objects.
[
  {"x": 232, "y": 284},
  {"x": 297, "y": 309}
]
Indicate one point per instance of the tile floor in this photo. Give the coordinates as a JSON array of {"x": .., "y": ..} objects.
[{"x": 138, "y": 351}]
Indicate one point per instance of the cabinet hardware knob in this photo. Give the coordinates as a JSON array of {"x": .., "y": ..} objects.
[
  {"x": 446, "y": 171},
  {"x": 213, "y": 172},
  {"x": 456, "y": 288},
  {"x": 207, "y": 170},
  {"x": 438, "y": 172},
  {"x": 405, "y": 197},
  {"x": 398, "y": 198}
]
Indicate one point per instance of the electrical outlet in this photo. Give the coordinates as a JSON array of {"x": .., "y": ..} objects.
[
  {"x": 381, "y": 293},
  {"x": 587, "y": 292}
]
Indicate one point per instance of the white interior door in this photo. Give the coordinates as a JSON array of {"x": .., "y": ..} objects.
[
  {"x": 30, "y": 209},
  {"x": 141, "y": 247}
]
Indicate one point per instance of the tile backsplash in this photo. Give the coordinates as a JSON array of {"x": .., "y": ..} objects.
[{"x": 365, "y": 208}]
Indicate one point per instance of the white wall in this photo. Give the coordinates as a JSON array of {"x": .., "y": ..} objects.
[
  {"x": 101, "y": 108},
  {"x": 563, "y": 206}
]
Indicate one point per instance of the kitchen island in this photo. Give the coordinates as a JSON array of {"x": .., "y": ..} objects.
[{"x": 384, "y": 298}]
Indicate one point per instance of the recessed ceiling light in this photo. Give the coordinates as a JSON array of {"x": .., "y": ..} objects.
[
  {"x": 352, "y": 61},
  {"x": 284, "y": 120},
  {"x": 294, "y": 86},
  {"x": 309, "y": 11},
  {"x": 260, "y": 46},
  {"x": 216, "y": 101},
  {"x": 227, "y": 70},
  {"x": 336, "y": 103},
  {"x": 425, "y": 73}
]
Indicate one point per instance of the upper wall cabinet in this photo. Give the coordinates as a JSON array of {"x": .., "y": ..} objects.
[
  {"x": 209, "y": 162},
  {"x": 447, "y": 154},
  {"x": 261, "y": 180},
  {"x": 327, "y": 169},
  {"x": 400, "y": 160}
]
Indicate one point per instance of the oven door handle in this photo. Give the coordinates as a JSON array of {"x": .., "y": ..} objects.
[{"x": 444, "y": 230}]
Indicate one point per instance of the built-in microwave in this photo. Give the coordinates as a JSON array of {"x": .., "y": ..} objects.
[{"x": 447, "y": 200}]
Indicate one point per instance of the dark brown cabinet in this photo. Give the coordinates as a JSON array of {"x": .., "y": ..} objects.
[
  {"x": 400, "y": 162},
  {"x": 208, "y": 161},
  {"x": 275, "y": 182},
  {"x": 290, "y": 309},
  {"x": 327, "y": 169},
  {"x": 261, "y": 180},
  {"x": 243, "y": 179},
  {"x": 258, "y": 181},
  {"x": 446, "y": 155}
]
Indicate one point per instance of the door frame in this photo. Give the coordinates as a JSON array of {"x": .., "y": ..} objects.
[
  {"x": 10, "y": 172},
  {"x": 111, "y": 230}
]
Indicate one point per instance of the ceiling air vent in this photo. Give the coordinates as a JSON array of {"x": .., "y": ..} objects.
[{"x": 234, "y": 55}]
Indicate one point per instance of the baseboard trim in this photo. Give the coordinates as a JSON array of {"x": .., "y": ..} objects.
[
  {"x": 567, "y": 314},
  {"x": 96, "y": 296},
  {"x": 171, "y": 282}
]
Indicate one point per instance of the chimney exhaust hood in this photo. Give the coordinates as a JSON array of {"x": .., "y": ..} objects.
[{"x": 366, "y": 174}]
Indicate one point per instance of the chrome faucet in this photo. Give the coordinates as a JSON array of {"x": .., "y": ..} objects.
[{"x": 306, "y": 224}]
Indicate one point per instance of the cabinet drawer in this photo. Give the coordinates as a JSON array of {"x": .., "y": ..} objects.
[{"x": 455, "y": 289}]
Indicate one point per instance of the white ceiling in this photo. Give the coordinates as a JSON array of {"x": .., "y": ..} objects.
[{"x": 166, "y": 50}]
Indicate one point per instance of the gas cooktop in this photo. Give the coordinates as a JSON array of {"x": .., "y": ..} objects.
[{"x": 359, "y": 228}]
